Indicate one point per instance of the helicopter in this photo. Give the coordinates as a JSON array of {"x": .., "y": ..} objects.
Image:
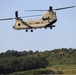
[{"x": 47, "y": 20}]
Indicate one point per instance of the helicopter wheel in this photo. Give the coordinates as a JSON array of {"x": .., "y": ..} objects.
[
  {"x": 31, "y": 30},
  {"x": 45, "y": 27},
  {"x": 26, "y": 30},
  {"x": 50, "y": 27}
]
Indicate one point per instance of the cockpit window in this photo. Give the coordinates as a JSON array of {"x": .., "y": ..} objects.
[{"x": 18, "y": 24}]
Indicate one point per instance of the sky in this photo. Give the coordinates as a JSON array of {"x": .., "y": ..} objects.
[{"x": 62, "y": 36}]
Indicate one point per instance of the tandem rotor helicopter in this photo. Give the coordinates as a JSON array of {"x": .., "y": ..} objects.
[{"x": 47, "y": 20}]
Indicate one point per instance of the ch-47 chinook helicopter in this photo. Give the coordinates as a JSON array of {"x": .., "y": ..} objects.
[{"x": 47, "y": 20}]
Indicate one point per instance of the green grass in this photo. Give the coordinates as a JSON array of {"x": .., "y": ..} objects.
[
  {"x": 33, "y": 72},
  {"x": 56, "y": 69},
  {"x": 66, "y": 69}
]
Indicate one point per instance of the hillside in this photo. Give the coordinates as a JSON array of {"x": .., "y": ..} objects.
[{"x": 14, "y": 61}]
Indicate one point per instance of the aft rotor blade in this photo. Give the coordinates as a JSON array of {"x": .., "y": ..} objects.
[
  {"x": 65, "y": 8},
  {"x": 54, "y": 9},
  {"x": 36, "y": 10}
]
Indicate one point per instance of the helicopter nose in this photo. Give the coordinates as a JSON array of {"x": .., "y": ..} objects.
[{"x": 13, "y": 27}]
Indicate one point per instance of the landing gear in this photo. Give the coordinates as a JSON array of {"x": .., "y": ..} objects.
[
  {"x": 45, "y": 27},
  {"x": 50, "y": 27},
  {"x": 26, "y": 30},
  {"x": 31, "y": 30}
]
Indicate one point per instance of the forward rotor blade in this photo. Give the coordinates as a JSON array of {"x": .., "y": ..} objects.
[
  {"x": 65, "y": 8},
  {"x": 19, "y": 17},
  {"x": 7, "y": 19},
  {"x": 30, "y": 16}
]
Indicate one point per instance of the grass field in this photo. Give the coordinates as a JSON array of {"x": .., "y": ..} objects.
[
  {"x": 58, "y": 69},
  {"x": 66, "y": 69},
  {"x": 57, "y": 74}
]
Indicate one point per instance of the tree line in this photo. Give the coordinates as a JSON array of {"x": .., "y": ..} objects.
[{"x": 13, "y": 61}]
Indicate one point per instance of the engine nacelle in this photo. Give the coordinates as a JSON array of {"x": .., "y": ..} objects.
[{"x": 45, "y": 18}]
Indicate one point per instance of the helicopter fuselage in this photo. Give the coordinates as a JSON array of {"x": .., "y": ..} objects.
[{"x": 46, "y": 21}]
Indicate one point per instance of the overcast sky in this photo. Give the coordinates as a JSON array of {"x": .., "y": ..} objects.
[{"x": 62, "y": 36}]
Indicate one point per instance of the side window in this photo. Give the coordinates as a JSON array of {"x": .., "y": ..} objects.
[
  {"x": 41, "y": 22},
  {"x": 37, "y": 22}
]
